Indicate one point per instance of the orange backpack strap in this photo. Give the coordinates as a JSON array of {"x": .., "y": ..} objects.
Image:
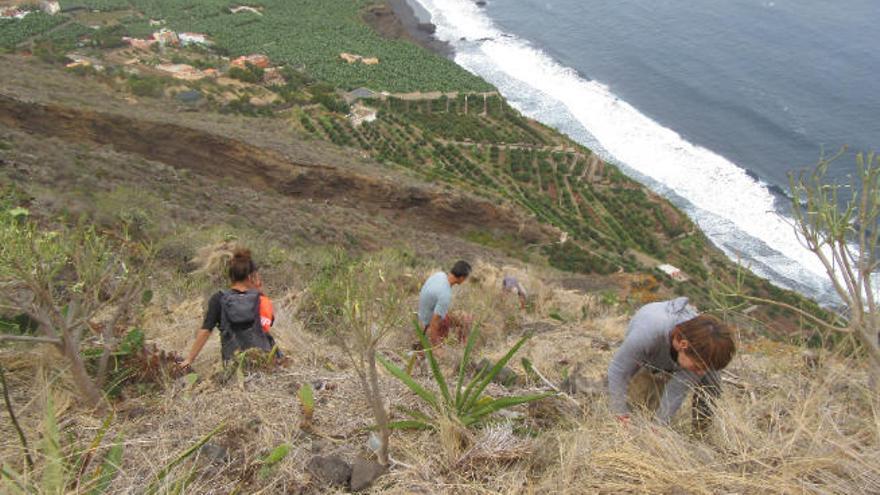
[{"x": 267, "y": 313}]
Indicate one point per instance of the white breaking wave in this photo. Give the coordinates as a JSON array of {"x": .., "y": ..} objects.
[{"x": 734, "y": 210}]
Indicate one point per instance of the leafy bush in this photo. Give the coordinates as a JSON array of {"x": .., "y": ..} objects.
[
  {"x": 49, "y": 52},
  {"x": 65, "y": 279},
  {"x": 243, "y": 106},
  {"x": 249, "y": 74},
  {"x": 109, "y": 37},
  {"x": 147, "y": 86},
  {"x": 332, "y": 103}
]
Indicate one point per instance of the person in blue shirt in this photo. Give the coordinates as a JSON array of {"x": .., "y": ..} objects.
[{"x": 435, "y": 299}]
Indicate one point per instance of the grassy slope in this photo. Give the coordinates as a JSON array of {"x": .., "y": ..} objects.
[{"x": 786, "y": 427}]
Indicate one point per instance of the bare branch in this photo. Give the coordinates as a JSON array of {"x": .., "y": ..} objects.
[
  {"x": 31, "y": 338},
  {"x": 797, "y": 310}
]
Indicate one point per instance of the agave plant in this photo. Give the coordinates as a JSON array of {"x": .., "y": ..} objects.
[{"x": 465, "y": 402}]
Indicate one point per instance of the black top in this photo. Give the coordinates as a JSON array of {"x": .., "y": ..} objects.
[{"x": 212, "y": 315}]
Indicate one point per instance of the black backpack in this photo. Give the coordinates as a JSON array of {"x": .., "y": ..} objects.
[{"x": 240, "y": 326}]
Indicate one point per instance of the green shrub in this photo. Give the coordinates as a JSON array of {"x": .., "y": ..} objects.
[
  {"x": 109, "y": 37},
  {"x": 332, "y": 103},
  {"x": 572, "y": 258},
  {"x": 249, "y": 74},
  {"x": 243, "y": 106},
  {"x": 147, "y": 86}
]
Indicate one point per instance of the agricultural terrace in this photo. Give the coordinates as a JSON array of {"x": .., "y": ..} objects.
[
  {"x": 15, "y": 31},
  {"x": 307, "y": 34},
  {"x": 480, "y": 141}
]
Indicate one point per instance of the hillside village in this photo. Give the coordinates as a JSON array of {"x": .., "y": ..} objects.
[{"x": 167, "y": 147}]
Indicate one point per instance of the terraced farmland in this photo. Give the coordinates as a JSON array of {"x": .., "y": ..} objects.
[{"x": 477, "y": 141}]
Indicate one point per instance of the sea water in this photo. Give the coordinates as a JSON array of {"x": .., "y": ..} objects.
[{"x": 709, "y": 103}]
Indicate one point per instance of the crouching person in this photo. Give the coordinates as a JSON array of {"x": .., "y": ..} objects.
[
  {"x": 668, "y": 351},
  {"x": 242, "y": 312},
  {"x": 435, "y": 298}
]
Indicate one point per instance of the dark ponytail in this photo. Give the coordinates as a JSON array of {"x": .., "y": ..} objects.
[{"x": 241, "y": 266}]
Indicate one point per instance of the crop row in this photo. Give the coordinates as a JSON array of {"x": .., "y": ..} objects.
[
  {"x": 312, "y": 34},
  {"x": 15, "y": 31}
]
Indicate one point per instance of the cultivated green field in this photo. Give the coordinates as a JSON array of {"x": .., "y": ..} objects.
[
  {"x": 15, "y": 31},
  {"x": 308, "y": 34}
]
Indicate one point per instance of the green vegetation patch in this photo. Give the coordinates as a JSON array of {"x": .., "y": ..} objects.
[
  {"x": 102, "y": 5},
  {"x": 15, "y": 31},
  {"x": 67, "y": 36},
  {"x": 313, "y": 34}
]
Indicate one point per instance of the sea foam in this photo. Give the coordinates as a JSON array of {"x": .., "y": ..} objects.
[{"x": 735, "y": 211}]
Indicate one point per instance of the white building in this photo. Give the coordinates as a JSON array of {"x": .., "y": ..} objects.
[
  {"x": 193, "y": 39},
  {"x": 362, "y": 113},
  {"x": 673, "y": 272},
  {"x": 50, "y": 7}
]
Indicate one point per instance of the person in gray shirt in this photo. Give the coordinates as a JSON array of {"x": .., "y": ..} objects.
[
  {"x": 669, "y": 345},
  {"x": 435, "y": 298},
  {"x": 511, "y": 284}
]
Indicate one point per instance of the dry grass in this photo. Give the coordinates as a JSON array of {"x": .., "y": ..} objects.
[{"x": 783, "y": 427}]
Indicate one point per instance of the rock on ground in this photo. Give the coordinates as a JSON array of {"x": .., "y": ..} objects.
[
  {"x": 214, "y": 453},
  {"x": 331, "y": 470},
  {"x": 364, "y": 473}
]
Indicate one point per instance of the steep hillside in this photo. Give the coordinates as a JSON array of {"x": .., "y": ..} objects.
[
  {"x": 282, "y": 162},
  {"x": 785, "y": 425}
]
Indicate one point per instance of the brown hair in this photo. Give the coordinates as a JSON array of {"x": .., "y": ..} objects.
[
  {"x": 241, "y": 266},
  {"x": 710, "y": 341}
]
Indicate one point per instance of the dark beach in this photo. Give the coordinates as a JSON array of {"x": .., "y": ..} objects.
[{"x": 397, "y": 19}]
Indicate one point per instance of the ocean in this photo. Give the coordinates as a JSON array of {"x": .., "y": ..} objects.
[{"x": 710, "y": 103}]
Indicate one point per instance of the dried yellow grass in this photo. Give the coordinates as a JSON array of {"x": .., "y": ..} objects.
[{"x": 782, "y": 427}]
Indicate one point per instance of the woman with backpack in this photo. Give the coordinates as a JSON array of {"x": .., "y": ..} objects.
[{"x": 243, "y": 314}]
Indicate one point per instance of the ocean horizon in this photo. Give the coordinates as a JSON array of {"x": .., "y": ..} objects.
[{"x": 696, "y": 103}]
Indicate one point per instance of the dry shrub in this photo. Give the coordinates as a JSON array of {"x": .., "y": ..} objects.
[
  {"x": 792, "y": 434},
  {"x": 497, "y": 444},
  {"x": 781, "y": 426},
  {"x": 453, "y": 439},
  {"x": 497, "y": 311},
  {"x": 212, "y": 260}
]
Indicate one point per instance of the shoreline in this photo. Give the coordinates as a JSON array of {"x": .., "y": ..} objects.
[
  {"x": 772, "y": 256},
  {"x": 408, "y": 25}
]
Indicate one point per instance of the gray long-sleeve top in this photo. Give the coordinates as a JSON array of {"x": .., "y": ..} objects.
[{"x": 648, "y": 343}]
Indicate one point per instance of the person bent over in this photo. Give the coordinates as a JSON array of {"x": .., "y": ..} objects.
[
  {"x": 668, "y": 350},
  {"x": 434, "y": 301},
  {"x": 511, "y": 285}
]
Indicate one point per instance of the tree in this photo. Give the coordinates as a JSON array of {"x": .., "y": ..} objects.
[
  {"x": 841, "y": 230},
  {"x": 64, "y": 280},
  {"x": 359, "y": 304}
]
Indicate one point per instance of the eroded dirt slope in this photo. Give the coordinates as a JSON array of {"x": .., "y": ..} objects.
[{"x": 262, "y": 167}]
